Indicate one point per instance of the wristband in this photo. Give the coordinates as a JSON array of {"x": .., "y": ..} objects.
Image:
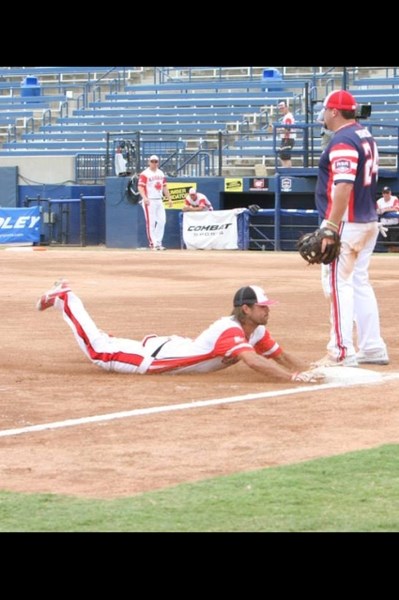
[{"x": 332, "y": 224}]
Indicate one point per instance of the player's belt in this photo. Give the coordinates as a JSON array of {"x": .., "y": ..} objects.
[
  {"x": 156, "y": 351},
  {"x": 147, "y": 360}
]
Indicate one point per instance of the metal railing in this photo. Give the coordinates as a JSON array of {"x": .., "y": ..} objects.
[
  {"x": 169, "y": 74},
  {"x": 216, "y": 154},
  {"x": 90, "y": 168}
]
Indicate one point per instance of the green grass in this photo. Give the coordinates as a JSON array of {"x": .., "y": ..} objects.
[{"x": 355, "y": 492}]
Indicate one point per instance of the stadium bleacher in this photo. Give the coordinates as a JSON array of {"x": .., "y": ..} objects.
[
  {"x": 219, "y": 127},
  {"x": 25, "y": 91},
  {"x": 206, "y": 109}
]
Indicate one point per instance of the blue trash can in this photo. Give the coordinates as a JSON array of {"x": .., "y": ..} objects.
[
  {"x": 272, "y": 75},
  {"x": 30, "y": 89}
]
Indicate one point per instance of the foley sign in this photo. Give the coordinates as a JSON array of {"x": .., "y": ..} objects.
[{"x": 19, "y": 225}]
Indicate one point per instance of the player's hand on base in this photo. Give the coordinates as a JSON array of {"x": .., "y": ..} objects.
[{"x": 308, "y": 377}]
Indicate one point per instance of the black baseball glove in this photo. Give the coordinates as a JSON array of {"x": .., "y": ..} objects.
[
  {"x": 132, "y": 193},
  {"x": 253, "y": 208},
  {"x": 309, "y": 246}
]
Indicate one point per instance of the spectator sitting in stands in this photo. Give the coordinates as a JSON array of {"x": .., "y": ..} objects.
[
  {"x": 389, "y": 203},
  {"x": 195, "y": 202}
]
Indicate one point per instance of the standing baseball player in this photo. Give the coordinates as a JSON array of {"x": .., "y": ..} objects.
[
  {"x": 196, "y": 202},
  {"x": 242, "y": 336},
  {"x": 288, "y": 136},
  {"x": 152, "y": 187},
  {"x": 345, "y": 199}
]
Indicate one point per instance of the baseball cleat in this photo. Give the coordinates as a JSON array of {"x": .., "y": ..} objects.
[
  {"x": 329, "y": 361},
  {"x": 374, "y": 357},
  {"x": 47, "y": 300}
]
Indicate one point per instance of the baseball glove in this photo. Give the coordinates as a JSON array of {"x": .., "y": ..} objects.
[
  {"x": 132, "y": 193},
  {"x": 253, "y": 208},
  {"x": 309, "y": 246}
]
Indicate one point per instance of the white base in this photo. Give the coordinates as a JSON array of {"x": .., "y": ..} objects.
[{"x": 348, "y": 375}]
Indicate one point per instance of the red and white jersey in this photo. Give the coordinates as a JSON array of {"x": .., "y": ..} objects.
[
  {"x": 392, "y": 203},
  {"x": 153, "y": 181},
  {"x": 288, "y": 119},
  {"x": 215, "y": 348},
  {"x": 218, "y": 347},
  {"x": 199, "y": 200}
]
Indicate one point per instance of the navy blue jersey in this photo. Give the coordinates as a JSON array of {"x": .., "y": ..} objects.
[{"x": 350, "y": 157}]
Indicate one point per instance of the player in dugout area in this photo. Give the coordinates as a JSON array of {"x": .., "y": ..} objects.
[
  {"x": 386, "y": 204},
  {"x": 241, "y": 336},
  {"x": 196, "y": 202}
]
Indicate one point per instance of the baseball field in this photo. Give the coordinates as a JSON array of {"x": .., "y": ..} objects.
[{"x": 74, "y": 431}]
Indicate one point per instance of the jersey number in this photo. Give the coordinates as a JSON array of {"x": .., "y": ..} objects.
[{"x": 371, "y": 164}]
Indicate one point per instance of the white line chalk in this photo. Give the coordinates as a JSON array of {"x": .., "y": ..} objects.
[{"x": 194, "y": 404}]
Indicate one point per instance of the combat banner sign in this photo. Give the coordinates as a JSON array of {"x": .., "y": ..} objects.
[{"x": 216, "y": 230}]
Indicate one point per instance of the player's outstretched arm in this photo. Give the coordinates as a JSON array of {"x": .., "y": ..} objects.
[
  {"x": 290, "y": 362},
  {"x": 274, "y": 371}
]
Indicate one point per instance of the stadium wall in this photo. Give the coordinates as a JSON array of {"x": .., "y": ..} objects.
[
  {"x": 42, "y": 169},
  {"x": 119, "y": 224}
]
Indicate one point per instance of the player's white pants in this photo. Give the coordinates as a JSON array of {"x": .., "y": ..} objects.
[
  {"x": 109, "y": 353},
  {"x": 155, "y": 220},
  {"x": 352, "y": 300}
]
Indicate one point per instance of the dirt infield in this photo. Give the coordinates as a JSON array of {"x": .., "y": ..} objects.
[{"x": 44, "y": 377}]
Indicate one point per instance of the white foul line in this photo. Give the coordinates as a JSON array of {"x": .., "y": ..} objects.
[{"x": 184, "y": 406}]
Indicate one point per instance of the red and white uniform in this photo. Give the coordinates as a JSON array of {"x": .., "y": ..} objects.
[
  {"x": 215, "y": 348},
  {"x": 200, "y": 200},
  {"x": 154, "y": 212},
  {"x": 388, "y": 204},
  {"x": 289, "y": 134}
]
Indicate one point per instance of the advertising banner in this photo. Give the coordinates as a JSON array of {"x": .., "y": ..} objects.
[
  {"x": 19, "y": 225},
  {"x": 178, "y": 191},
  {"x": 233, "y": 184},
  {"x": 210, "y": 230},
  {"x": 259, "y": 184}
]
